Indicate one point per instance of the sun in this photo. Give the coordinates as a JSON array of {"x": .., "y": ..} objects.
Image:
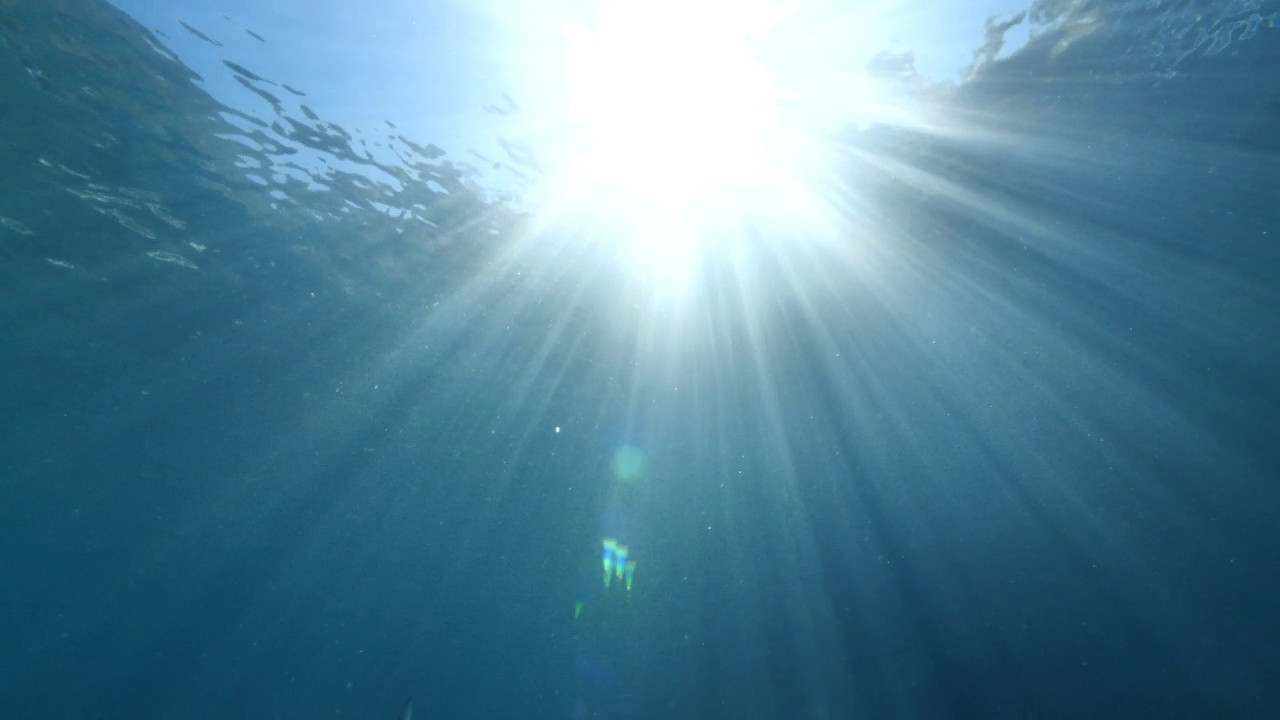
[
  {"x": 685, "y": 131},
  {"x": 673, "y": 104}
]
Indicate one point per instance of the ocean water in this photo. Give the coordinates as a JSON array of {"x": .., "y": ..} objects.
[{"x": 300, "y": 421}]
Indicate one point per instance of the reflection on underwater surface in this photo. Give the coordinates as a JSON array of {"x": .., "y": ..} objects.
[{"x": 976, "y": 417}]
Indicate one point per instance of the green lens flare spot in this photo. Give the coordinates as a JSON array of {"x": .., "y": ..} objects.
[
  {"x": 609, "y": 558},
  {"x": 629, "y": 464},
  {"x": 620, "y": 561}
]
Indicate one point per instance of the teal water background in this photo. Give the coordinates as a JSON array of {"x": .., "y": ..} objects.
[{"x": 305, "y": 443}]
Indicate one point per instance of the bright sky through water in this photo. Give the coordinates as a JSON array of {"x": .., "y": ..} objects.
[
  {"x": 663, "y": 126},
  {"x": 432, "y": 68}
]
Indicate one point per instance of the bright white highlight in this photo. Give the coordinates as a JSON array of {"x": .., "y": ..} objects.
[{"x": 673, "y": 103}]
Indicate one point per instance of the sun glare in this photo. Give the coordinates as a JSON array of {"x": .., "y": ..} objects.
[
  {"x": 671, "y": 99},
  {"x": 696, "y": 125}
]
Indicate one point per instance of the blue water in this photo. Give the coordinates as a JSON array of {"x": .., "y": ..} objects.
[{"x": 299, "y": 443}]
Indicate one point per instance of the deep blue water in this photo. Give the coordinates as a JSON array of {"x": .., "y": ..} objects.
[{"x": 271, "y": 451}]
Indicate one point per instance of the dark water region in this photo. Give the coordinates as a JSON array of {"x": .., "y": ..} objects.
[{"x": 304, "y": 442}]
